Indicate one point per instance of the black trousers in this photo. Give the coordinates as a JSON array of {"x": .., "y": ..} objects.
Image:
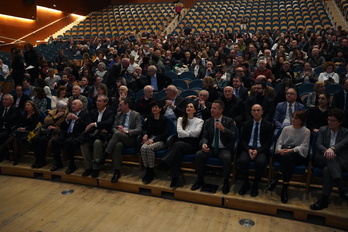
[
  {"x": 260, "y": 162},
  {"x": 69, "y": 143},
  {"x": 287, "y": 164},
  {"x": 39, "y": 146}
]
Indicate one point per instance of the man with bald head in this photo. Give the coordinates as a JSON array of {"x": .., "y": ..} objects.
[
  {"x": 233, "y": 106},
  {"x": 158, "y": 81},
  {"x": 74, "y": 124},
  {"x": 255, "y": 142},
  {"x": 76, "y": 94}
]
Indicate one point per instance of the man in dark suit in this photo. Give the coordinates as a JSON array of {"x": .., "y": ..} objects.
[
  {"x": 20, "y": 98},
  {"x": 255, "y": 142},
  {"x": 284, "y": 110},
  {"x": 96, "y": 134},
  {"x": 71, "y": 128},
  {"x": 116, "y": 71},
  {"x": 8, "y": 118},
  {"x": 332, "y": 156},
  {"x": 127, "y": 126},
  {"x": 259, "y": 98},
  {"x": 234, "y": 107},
  {"x": 84, "y": 86},
  {"x": 27, "y": 88},
  {"x": 218, "y": 134},
  {"x": 239, "y": 90},
  {"x": 173, "y": 104},
  {"x": 203, "y": 106},
  {"x": 340, "y": 101},
  {"x": 158, "y": 81}
]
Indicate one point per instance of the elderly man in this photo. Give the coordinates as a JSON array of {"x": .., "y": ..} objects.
[
  {"x": 158, "y": 81},
  {"x": 117, "y": 71},
  {"x": 284, "y": 110},
  {"x": 203, "y": 106},
  {"x": 233, "y": 106},
  {"x": 8, "y": 118},
  {"x": 52, "y": 79},
  {"x": 76, "y": 94},
  {"x": 218, "y": 132},
  {"x": 144, "y": 104},
  {"x": 173, "y": 104},
  {"x": 96, "y": 134},
  {"x": 316, "y": 59},
  {"x": 332, "y": 156},
  {"x": 262, "y": 70},
  {"x": 71, "y": 128}
]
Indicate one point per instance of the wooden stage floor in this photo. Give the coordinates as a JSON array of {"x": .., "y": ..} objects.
[{"x": 267, "y": 203}]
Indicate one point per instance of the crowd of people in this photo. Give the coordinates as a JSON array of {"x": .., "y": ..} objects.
[{"x": 93, "y": 104}]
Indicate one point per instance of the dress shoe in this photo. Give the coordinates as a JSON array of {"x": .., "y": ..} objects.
[
  {"x": 99, "y": 161},
  {"x": 244, "y": 189},
  {"x": 284, "y": 195},
  {"x": 272, "y": 185},
  {"x": 38, "y": 164},
  {"x": 70, "y": 170},
  {"x": 319, "y": 205},
  {"x": 226, "y": 187},
  {"x": 87, "y": 172},
  {"x": 56, "y": 167},
  {"x": 95, "y": 173},
  {"x": 198, "y": 184},
  {"x": 177, "y": 182},
  {"x": 254, "y": 191},
  {"x": 149, "y": 176},
  {"x": 116, "y": 176}
]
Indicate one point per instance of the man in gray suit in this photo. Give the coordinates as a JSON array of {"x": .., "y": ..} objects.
[
  {"x": 332, "y": 156},
  {"x": 218, "y": 134},
  {"x": 126, "y": 128},
  {"x": 284, "y": 110}
]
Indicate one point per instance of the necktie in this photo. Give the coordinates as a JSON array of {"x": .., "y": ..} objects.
[
  {"x": 290, "y": 113},
  {"x": 216, "y": 140},
  {"x": 71, "y": 126},
  {"x": 256, "y": 135},
  {"x": 124, "y": 120},
  {"x": 199, "y": 111},
  {"x": 5, "y": 112},
  {"x": 237, "y": 92}
]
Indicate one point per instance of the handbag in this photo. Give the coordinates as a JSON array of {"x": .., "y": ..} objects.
[{"x": 34, "y": 132}]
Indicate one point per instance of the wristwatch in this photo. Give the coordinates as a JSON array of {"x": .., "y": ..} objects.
[{"x": 333, "y": 148}]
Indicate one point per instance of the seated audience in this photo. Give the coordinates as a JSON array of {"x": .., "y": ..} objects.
[
  {"x": 144, "y": 104},
  {"x": 329, "y": 76},
  {"x": 317, "y": 117}
]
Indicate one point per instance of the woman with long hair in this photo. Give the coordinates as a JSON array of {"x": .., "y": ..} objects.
[
  {"x": 317, "y": 117},
  {"x": 189, "y": 129},
  {"x": 27, "y": 123},
  {"x": 40, "y": 100}
]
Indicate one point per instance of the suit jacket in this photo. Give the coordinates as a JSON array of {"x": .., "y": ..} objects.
[
  {"x": 180, "y": 104},
  {"x": 205, "y": 112},
  {"x": 267, "y": 106},
  {"x": 226, "y": 136},
  {"x": 280, "y": 112},
  {"x": 266, "y": 136},
  {"x": 162, "y": 81},
  {"x": 338, "y": 100},
  {"x": 112, "y": 74},
  {"x": 106, "y": 121},
  {"x": 10, "y": 119},
  {"x": 234, "y": 109},
  {"x": 243, "y": 93},
  {"x": 85, "y": 92},
  {"x": 79, "y": 126},
  {"x": 135, "y": 124},
  {"x": 341, "y": 143},
  {"x": 24, "y": 98}
]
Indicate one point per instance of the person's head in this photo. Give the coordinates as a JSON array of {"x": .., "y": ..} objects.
[
  {"x": 291, "y": 95},
  {"x": 76, "y": 106},
  {"x": 125, "y": 105},
  {"x": 101, "y": 102},
  {"x": 76, "y": 90},
  {"x": 171, "y": 92},
  {"x": 156, "y": 108},
  {"x": 19, "y": 90},
  {"x": 148, "y": 92},
  {"x": 65, "y": 78},
  {"x": 123, "y": 90},
  {"x": 298, "y": 118},
  {"x": 315, "y": 52},
  {"x": 329, "y": 67},
  {"x": 259, "y": 88},
  {"x": 25, "y": 83},
  {"x": 61, "y": 106},
  {"x": 323, "y": 99},
  {"x": 151, "y": 70},
  {"x": 217, "y": 108},
  {"x": 257, "y": 112},
  {"x": 307, "y": 66},
  {"x": 208, "y": 82},
  {"x": 30, "y": 106},
  {"x": 125, "y": 62},
  {"x": 84, "y": 81},
  {"x": 345, "y": 84},
  {"x": 209, "y": 65},
  {"x": 228, "y": 92},
  {"x": 7, "y": 100},
  {"x": 190, "y": 109},
  {"x": 286, "y": 65},
  {"x": 102, "y": 90},
  {"x": 101, "y": 66},
  {"x": 261, "y": 64},
  {"x": 50, "y": 72},
  {"x": 319, "y": 87},
  {"x": 39, "y": 93},
  {"x": 138, "y": 70},
  {"x": 203, "y": 95},
  {"x": 61, "y": 92},
  {"x": 335, "y": 119}
]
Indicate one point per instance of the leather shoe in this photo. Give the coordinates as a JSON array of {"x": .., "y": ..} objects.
[
  {"x": 244, "y": 189},
  {"x": 284, "y": 195},
  {"x": 56, "y": 167},
  {"x": 87, "y": 172},
  {"x": 226, "y": 187},
  {"x": 38, "y": 164},
  {"x": 272, "y": 185},
  {"x": 198, "y": 184},
  {"x": 115, "y": 177},
  {"x": 95, "y": 173},
  {"x": 70, "y": 170},
  {"x": 177, "y": 182},
  {"x": 319, "y": 205},
  {"x": 98, "y": 161}
]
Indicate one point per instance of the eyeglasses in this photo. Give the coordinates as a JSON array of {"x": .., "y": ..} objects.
[{"x": 290, "y": 93}]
